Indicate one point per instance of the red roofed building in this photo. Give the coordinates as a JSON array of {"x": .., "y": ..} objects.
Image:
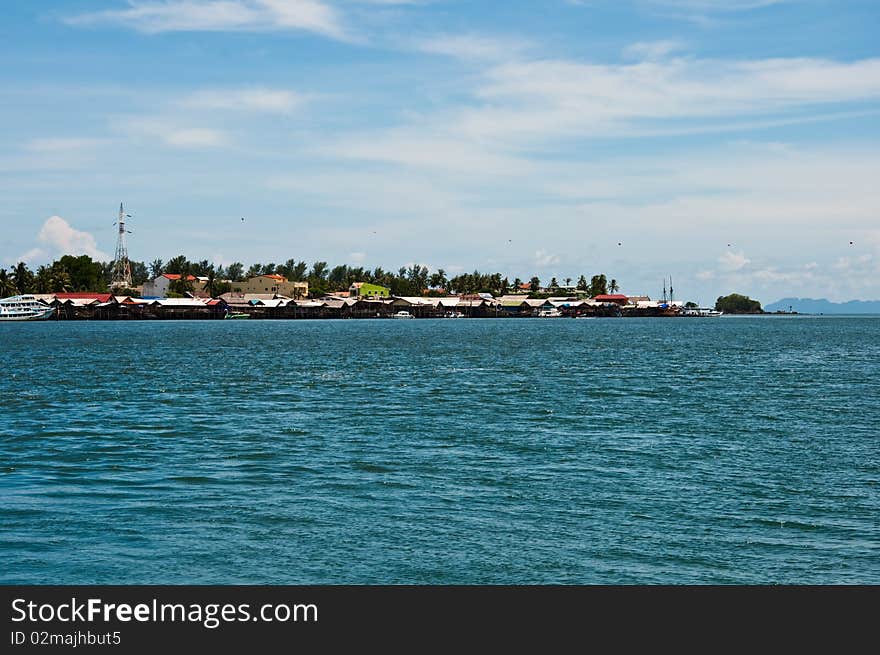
[
  {"x": 84, "y": 295},
  {"x": 617, "y": 298}
]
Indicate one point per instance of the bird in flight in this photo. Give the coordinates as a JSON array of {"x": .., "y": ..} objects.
[
  {"x": 851, "y": 243},
  {"x": 619, "y": 243},
  {"x": 242, "y": 219}
]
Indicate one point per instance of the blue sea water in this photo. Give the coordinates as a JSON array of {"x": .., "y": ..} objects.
[{"x": 732, "y": 450}]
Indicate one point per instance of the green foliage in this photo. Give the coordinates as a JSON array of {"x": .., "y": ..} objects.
[
  {"x": 84, "y": 274},
  {"x": 157, "y": 267},
  {"x": 691, "y": 305},
  {"x": 298, "y": 272},
  {"x": 178, "y": 266},
  {"x": 737, "y": 304},
  {"x": 582, "y": 284},
  {"x": 181, "y": 286},
  {"x": 139, "y": 274},
  {"x": 598, "y": 285},
  {"x": 235, "y": 272},
  {"x": 23, "y": 278},
  {"x": 534, "y": 284},
  {"x": 7, "y": 285},
  {"x": 476, "y": 282}
]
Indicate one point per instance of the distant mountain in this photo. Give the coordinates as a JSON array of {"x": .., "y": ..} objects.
[{"x": 823, "y": 306}]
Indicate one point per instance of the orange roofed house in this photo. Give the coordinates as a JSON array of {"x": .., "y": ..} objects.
[{"x": 158, "y": 288}]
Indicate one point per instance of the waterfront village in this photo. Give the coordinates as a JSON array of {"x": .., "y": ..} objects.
[{"x": 273, "y": 296}]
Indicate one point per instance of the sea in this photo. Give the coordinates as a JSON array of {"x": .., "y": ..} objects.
[{"x": 732, "y": 450}]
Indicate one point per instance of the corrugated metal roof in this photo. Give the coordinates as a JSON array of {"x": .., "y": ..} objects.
[{"x": 179, "y": 302}]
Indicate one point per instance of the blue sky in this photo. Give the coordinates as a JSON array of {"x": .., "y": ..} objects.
[{"x": 730, "y": 144}]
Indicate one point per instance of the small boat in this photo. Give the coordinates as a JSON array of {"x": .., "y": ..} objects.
[
  {"x": 453, "y": 315},
  {"x": 24, "y": 308},
  {"x": 402, "y": 314},
  {"x": 701, "y": 311},
  {"x": 549, "y": 313},
  {"x": 236, "y": 315}
]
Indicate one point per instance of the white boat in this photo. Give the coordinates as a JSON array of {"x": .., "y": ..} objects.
[
  {"x": 453, "y": 315},
  {"x": 549, "y": 313},
  {"x": 402, "y": 314},
  {"x": 24, "y": 308},
  {"x": 701, "y": 311}
]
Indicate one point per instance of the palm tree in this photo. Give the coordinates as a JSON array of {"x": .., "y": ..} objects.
[
  {"x": 613, "y": 287},
  {"x": 157, "y": 267},
  {"x": 534, "y": 284},
  {"x": 24, "y": 279},
  {"x": 568, "y": 281},
  {"x": 7, "y": 288},
  {"x": 209, "y": 285}
]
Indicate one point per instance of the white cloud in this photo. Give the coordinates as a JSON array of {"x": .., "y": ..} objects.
[
  {"x": 32, "y": 256},
  {"x": 652, "y": 49},
  {"x": 247, "y": 99},
  {"x": 718, "y": 5},
  {"x": 221, "y": 15},
  {"x": 544, "y": 258},
  {"x": 63, "y": 144},
  {"x": 473, "y": 46},
  {"x": 553, "y": 98},
  {"x": 195, "y": 137},
  {"x": 733, "y": 261},
  {"x": 58, "y": 238},
  {"x": 427, "y": 148},
  {"x": 172, "y": 134}
]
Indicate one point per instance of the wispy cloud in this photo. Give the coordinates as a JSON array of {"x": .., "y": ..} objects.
[
  {"x": 61, "y": 144},
  {"x": 718, "y": 5},
  {"x": 154, "y": 16},
  {"x": 172, "y": 134},
  {"x": 245, "y": 99},
  {"x": 546, "y": 98},
  {"x": 473, "y": 46},
  {"x": 652, "y": 49}
]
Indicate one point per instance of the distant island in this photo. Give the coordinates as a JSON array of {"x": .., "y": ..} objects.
[{"x": 824, "y": 306}]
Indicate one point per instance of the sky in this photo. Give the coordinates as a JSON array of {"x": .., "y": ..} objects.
[{"x": 733, "y": 145}]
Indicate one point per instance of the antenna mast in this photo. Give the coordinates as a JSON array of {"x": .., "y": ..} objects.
[{"x": 121, "y": 264}]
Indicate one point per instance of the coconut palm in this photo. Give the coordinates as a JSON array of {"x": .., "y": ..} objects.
[
  {"x": 24, "y": 279},
  {"x": 7, "y": 288},
  {"x": 613, "y": 287}
]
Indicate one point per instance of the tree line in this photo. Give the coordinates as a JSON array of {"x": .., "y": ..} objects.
[{"x": 80, "y": 273}]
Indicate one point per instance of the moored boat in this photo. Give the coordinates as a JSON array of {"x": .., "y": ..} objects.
[
  {"x": 402, "y": 314},
  {"x": 24, "y": 308}
]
